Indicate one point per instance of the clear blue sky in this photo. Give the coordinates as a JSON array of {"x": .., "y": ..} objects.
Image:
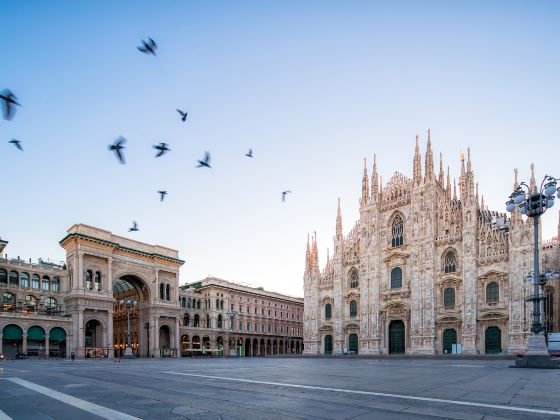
[{"x": 313, "y": 87}]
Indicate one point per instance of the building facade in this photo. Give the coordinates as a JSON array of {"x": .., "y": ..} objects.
[
  {"x": 53, "y": 310},
  {"x": 80, "y": 306},
  {"x": 426, "y": 267},
  {"x": 224, "y": 318}
]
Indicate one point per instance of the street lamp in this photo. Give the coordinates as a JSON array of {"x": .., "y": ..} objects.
[
  {"x": 534, "y": 203},
  {"x": 231, "y": 315},
  {"x": 129, "y": 303}
]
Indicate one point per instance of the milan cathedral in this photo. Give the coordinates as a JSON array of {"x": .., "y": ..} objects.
[{"x": 426, "y": 269}]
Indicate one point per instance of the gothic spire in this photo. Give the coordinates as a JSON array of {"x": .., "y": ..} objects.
[
  {"x": 533, "y": 183},
  {"x": 365, "y": 186},
  {"x": 440, "y": 177},
  {"x": 448, "y": 188},
  {"x": 417, "y": 166},
  {"x": 469, "y": 165},
  {"x": 429, "y": 166},
  {"x": 307, "y": 255},
  {"x": 338, "y": 221},
  {"x": 454, "y": 189},
  {"x": 374, "y": 180},
  {"x": 315, "y": 251}
]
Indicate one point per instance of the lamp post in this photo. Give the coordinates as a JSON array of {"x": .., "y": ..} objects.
[
  {"x": 232, "y": 350},
  {"x": 129, "y": 303},
  {"x": 534, "y": 203}
]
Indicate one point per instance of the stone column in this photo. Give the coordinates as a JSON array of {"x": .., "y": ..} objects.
[
  {"x": 109, "y": 286},
  {"x": 156, "y": 294},
  {"x": 81, "y": 270},
  {"x": 156, "y": 337},
  {"x": 24, "y": 349},
  {"x": 109, "y": 337},
  {"x": 177, "y": 339},
  {"x": 46, "y": 345},
  {"x": 81, "y": 343},
  {"x": 1, "y": 336},
  {"x": 151, "y": 338},
  {"x": 68, "y": 347}
]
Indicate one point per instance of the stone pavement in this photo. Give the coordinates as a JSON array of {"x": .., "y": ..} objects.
[{"x": 277, "y": 388}]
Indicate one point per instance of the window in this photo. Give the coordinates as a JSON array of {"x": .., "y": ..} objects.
[
  {"x": 24, "y": 278},
  {"x": 353, "y": 308},
  {"x": 353, "y": 279},
  {"x": 8, "y": 299},
  {"x": 189, "y": 302},
  {"x": 248, "y": 326},
  {"x": 256, "y": 327},
  {"x": 397, "y": 232},
  {"x": 31, "y": 301},
  {"x": 46, "y": 283},
  {"x": 3, "y": 277},
  {"x": 396, "y": 278},
  {"x": 198, "y": 304},
  {"x": 187, "y": 320},
  {"x": 217, "y": 303},
  {"x": 450, "y": 262},
  {"x": 221, "y": 304},
  {"x": 240, "y": 326},
  {"x": 220, "y": 321},
  {"x": 262, "y": 327},
  {"x": 328, "y": 311},
  {"x": 35, "y": 280},
  {"x": 167, "y": 292},
  {"x": 14, "y": 278},
  {"x": 97, "y": 284},
  {"x": 492, "y": 293},
  {"x": 55, "y": 284},
  {"x": 162, "y": 291},
  {"x": 449, "y": 297},
  {"x": 50, "y": 303},
  {"x": 89, "y": 278},
  {"x": 196, "y": 321}
]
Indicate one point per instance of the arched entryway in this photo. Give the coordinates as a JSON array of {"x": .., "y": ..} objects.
[
  {"x": 185, "y": 345},
  {"x": 12, "y": 341},
  {"x": 353, "y": 343},
  {"x": 93, "y": 337},
  {"x": 240, "y": 350},
  {"x": 247, "y": 347},
  {"x": 396, "y": 337},
  {"x": 493, "y": 340},
  {"x": 449, "y": 337},
  {"x": 36, "y": 341},
  {"x": 262, "y": 348},
  {"x": 165, "y": 341},
  {"x": 57, "y": 342},
  {"x": 275, "y": 347},
  {"x": 132, "y": 298},
  {"x": 195, "y": 345},
  {"x": 206, "y": 348},
  {"x": 328, "y": 344}
]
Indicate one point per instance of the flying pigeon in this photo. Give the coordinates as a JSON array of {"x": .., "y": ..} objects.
[
  {"x": 162, "y": 195},
  {"x": 9, "y": 100},
  {"x": 284, "y": 193},
  {"x": 162, "y": 149},
  {"x": 117, "y": 146},
  {"x": 134, "y": 227},
  {"x": 16, "y": 143},
  {"x": 205, "y": 161},
  {"x": 183, "y": 115},
  {"x": 250, "y": 153},
  {"x": 148, "y": 47}
]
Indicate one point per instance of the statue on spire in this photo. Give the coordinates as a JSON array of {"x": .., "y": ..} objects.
[
  {"x": 417, "y": 165},
  {"x": 429, "y": 160}
]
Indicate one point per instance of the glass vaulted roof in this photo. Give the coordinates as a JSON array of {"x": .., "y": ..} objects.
[{"x": 121, "y": 286}]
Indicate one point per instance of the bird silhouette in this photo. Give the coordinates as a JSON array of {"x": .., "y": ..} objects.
[
  {"x": 134, "y": 227},
  {"x": 205, "y": 161},
  {"x": 183, "y": 115},
  {"x": 162, "y": 195},
  {"x": 117, "y": 147},
  {"x": 162, "y": 147},
  {"x": 284, "y": 193},
  {"x": 16, "y": 143},
  {"x": 9, "y": 100},
  {"x": 250, "y": 153},
  {"x": 148, "y": 47}
]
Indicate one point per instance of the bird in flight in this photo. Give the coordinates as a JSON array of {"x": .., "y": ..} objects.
[
  {"x": 148, "y": 47},
  {"x": 134, "y": 227},
  {"x": 117, "y": 147},
  {"x": 205, "y": 161},
  {"x": 9, "y": 101},
  {"x": 183, "y": 115},
  {"x": 284, "y": 193},
  {"x": 162, "y": 147},
  {"x": 250, "y": 153},
  {"x": 16, "y": 143},
  {"x": 162, "y": 195}
]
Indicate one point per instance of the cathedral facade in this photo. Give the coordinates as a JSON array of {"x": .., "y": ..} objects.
[{"x": 427, "y": 269}]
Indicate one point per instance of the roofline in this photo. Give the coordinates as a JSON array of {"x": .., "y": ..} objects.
[{"x": 116, "y": 245}]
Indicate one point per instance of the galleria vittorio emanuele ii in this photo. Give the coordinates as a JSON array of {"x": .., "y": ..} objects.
[{"x": 427, "y": 269}]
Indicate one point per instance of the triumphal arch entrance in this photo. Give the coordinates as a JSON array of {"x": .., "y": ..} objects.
[{"x": 112, "y": 279}]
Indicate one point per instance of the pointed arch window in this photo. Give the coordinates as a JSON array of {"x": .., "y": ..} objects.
[
  {"x": 354, "y": 279},
  {"x": 396, "y": 278},
  {"x": 492, "y": 293},
  {"x": 450, "y": 262},
  {"x": 397, "y": 232},
  {"x": 449, "y": 297},
  {"x": 353, "y": 308},
  {"x": 328, "y": 311}
]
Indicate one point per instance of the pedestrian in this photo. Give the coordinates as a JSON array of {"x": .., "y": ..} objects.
[{"x": 72, "y": 356}]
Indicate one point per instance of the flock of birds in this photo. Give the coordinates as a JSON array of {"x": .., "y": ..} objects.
[{"x": 9, "y": 101}]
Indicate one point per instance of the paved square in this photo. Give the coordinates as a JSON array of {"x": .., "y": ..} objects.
[{"x": 276, "y": 388}]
